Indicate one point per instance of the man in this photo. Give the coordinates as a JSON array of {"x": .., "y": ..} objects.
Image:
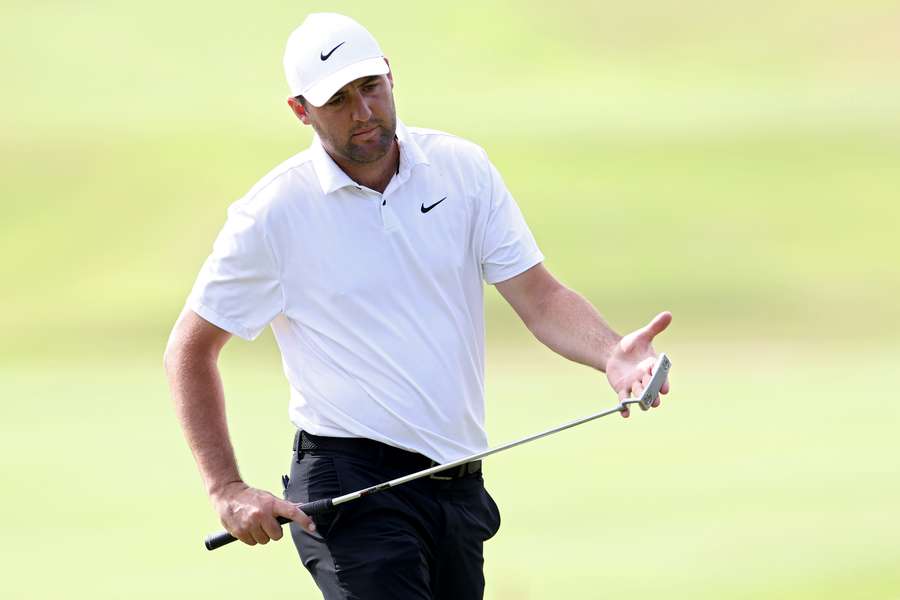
[{"x": 366, "y": 254}]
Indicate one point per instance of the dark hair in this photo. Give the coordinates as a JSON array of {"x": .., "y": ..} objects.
[{"x": 301, "y": 100}]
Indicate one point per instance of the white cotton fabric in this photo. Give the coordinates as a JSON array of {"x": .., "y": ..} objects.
[{"x": 377, "y": 306}]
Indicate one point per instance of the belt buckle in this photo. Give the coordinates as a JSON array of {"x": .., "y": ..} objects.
[{"x": 438, "y": 477}]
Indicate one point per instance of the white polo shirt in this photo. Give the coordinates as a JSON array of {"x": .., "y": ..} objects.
[{"x": 376, "y": 300}]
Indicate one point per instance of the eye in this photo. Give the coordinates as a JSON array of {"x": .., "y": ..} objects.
[{"x": 335, "y": 101}]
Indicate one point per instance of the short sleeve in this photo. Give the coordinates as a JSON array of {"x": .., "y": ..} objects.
[
  {"x": 238, "y": 288},
  {"x": 508, "y": 247}
]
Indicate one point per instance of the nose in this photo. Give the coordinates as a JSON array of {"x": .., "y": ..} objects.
[{"x": 361, "y": 111}]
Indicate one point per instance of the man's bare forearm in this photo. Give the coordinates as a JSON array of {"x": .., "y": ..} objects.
[
  {"x": 570, "y": 326},
  {"x": 191, "y": 362},
  {"x": 199, "y": 400}
]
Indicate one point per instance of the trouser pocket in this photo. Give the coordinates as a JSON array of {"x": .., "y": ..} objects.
[
  {"x": 315, "y": 477},
  {"x": 492, "y": 514}
]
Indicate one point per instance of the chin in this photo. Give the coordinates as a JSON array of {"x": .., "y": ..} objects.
[{"x": 368, "y": 154}]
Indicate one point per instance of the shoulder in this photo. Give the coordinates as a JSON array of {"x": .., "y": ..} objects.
[
  {"x": 442, "y": 144},
  {"x": 269, "y": 196},
  {"x": 452, "y": 154}
]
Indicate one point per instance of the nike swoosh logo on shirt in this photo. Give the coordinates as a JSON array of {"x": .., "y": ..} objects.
[
  {"x": 327, "y": 56},
  {"x": 425, "y": 209}
]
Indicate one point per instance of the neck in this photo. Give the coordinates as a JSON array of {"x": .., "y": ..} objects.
[{"x": 374, "y": 175}]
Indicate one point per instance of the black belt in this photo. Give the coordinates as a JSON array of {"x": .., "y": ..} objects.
[{"x": 380, "y": 453}]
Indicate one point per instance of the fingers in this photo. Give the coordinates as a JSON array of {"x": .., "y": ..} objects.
[
  {"x": 245, "y": 536},
  {"x": 642, "y": 385},
  {"x": 251, "y": 516},
  {"x": 241, "y": 528},
  {"x": 256, "y": 528},
  {"x": 271, "y": 528},
  {"x": 644, "y": 374},
  {"x": 637, "y": 386},
  {"x": 623, "y": 395},
  {"x": 248, "y": 534},
  {"x": 290, "y": 511},
  {"x": 633, "y": 391}
]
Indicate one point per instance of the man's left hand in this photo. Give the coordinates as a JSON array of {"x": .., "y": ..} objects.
[{"x": 630, "y": 364}]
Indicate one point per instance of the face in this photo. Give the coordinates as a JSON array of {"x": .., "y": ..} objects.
[{"x": 358, "y": 122}]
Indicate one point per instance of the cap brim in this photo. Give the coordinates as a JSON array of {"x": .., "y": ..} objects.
[{"x": 319, "y": 94}]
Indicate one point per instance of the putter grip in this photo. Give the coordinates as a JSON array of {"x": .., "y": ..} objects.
[{"x": 316, "y": 507}]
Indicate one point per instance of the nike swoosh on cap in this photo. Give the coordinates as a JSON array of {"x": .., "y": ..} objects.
[{"x": 327, "y": 56}]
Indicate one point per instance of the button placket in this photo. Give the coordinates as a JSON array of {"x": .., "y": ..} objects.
[{"x": 389, "y": 220}]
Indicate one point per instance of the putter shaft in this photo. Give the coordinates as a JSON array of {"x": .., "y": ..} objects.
[{"x": 660, "y": 371}]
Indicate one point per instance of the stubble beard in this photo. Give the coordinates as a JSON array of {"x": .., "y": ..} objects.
[
  {"x": 358, "y": 153},
  {"x": 369, "y": 153}
]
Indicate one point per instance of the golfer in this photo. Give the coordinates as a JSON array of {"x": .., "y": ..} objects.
[{"x": 367, "y": 255}]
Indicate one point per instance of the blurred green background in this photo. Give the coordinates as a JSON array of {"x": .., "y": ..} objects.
[{"x": 736, "y": 163}]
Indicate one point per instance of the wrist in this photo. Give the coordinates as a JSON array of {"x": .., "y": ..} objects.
[
  {"x": 219, "y": 490},
  {"x": 608, "y": 345}
]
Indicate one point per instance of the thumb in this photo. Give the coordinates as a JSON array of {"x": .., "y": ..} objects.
[{"x": 659, "y": 324}]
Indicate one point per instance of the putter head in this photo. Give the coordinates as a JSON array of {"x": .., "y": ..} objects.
[{"x": 660, "y": 371}]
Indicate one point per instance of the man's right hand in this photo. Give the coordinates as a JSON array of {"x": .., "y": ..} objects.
[{"x": 250, "y": 514}]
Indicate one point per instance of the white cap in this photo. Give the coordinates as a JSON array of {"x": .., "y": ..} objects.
[{"x": 327, "y": 52}]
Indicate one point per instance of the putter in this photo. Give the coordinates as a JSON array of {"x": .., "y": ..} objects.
[{"x": 660, "y": 371}]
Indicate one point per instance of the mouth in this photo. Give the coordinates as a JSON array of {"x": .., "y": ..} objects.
[{"x": 364, "y": 132}]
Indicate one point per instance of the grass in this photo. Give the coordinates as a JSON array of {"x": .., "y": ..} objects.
[
  {"x": 662, "y": 157},
  {"x": 776, "y": 235},
  {"x": 762, "y": 476}
]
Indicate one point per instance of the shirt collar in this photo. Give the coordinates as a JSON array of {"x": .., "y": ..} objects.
[{"x": 332, "y": 177}]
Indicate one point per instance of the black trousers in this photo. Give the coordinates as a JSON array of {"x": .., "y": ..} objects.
[{"x": 421, "y": 540}]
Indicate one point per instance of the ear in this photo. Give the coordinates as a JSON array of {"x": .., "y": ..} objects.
[
  {"x": 298, "y": 110},
  {"x": 390, "y": 74}
]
